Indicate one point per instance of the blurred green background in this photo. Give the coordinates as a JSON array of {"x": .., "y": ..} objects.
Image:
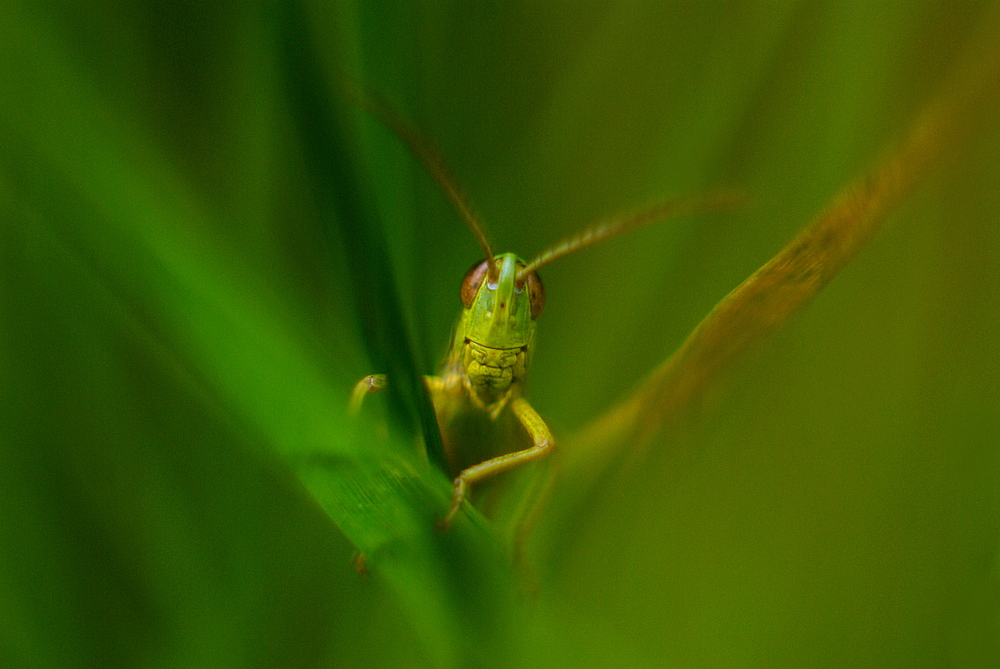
[{"x": 202, "y": 249}]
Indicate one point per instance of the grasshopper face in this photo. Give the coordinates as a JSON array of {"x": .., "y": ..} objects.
[{"x": 497, "y": 328}]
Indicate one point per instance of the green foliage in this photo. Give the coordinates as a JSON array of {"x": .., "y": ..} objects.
[{"x": 202, "y": 248}]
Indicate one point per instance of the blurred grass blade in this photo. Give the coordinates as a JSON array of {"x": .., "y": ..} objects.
[
  {"x": 342, "y": 200},
  {"x": 788, "y": 282},
  {"x": 128, "y": 221}
]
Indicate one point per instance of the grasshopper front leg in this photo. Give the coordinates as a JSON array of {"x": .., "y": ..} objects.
[
  {"x": 369, "y": 384},
  {"x": 543, "y": 444}
]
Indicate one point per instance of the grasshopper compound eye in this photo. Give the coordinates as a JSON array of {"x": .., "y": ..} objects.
[
  {"x": 536, "y": 294},
  {"x": 470, "y": 284}
]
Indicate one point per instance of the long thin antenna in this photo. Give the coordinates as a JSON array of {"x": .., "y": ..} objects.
[
  {"x": 724, "y": 199},
  {"x": 424, "y": 151}
]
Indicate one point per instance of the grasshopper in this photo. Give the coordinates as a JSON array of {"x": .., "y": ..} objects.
[{"x": 478, "y": 393}]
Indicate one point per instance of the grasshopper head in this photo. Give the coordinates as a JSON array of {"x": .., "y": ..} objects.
[
  {"x": 497, "y": 328},
  {"x": 500, "y": 311}
]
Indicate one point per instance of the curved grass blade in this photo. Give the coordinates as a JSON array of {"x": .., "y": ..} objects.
[{"x": 785, "y": 285}]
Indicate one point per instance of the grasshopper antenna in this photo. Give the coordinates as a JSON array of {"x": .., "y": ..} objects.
[
  {"x": 424, "y": 151},
  {"x": 723, "y": 199}
]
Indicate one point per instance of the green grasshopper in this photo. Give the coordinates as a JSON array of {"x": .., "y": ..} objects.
[{"x": 478, "y": 394}]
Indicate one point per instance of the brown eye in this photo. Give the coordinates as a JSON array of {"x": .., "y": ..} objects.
[
  {"x": 470, "y": 284},
  {"x": 536, "y": 294}
]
